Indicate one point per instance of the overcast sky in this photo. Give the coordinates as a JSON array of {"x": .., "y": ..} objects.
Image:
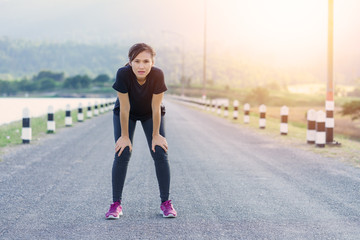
[{"x": 271, "y": 29}]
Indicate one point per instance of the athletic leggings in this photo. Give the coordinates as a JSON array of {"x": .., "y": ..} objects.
[{"x": 160, "y": 158}]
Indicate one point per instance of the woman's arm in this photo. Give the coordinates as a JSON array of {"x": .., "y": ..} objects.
[
  {"x": 124, "y": 139},
  {"x": 156, "y": 115}
]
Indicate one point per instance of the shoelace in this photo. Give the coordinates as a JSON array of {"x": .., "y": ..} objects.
[
  {"x": 168, "y": 205},
  {"x": 114, "y": 206}
]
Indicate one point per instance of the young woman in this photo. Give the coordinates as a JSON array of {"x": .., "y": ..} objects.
[{"x": 140, "y": 89}]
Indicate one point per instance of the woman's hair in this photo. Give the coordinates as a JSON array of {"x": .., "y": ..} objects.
[{"x": 138, "y": 48}]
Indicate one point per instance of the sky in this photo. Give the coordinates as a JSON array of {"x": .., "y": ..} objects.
[{"x": 272, "y": 31}]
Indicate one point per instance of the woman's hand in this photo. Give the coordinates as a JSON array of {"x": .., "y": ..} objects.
[
  {"x": 160, "y": 141},
  {"x": 122, "y": 143}
]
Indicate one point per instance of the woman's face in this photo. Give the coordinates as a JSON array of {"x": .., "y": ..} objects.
[{"x": 142, "y": 64}]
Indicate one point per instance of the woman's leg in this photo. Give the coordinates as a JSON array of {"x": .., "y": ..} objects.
[
  {"x": 120, "y": 164},
  {"x": 160, "y": 158}
]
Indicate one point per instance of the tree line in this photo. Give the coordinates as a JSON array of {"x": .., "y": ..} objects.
[
  {"x": 48, "y": 81},
  {"x": 22, "y": 58}
]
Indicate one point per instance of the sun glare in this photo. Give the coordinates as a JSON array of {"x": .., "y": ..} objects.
[{"x": 275, "y": 28}]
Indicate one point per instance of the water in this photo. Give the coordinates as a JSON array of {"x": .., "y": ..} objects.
[{"x": 11, "y": 108}]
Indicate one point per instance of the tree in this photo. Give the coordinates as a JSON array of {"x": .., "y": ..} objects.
[
  {"x": 72, "y": 83},
  {"x": 351, "y": 108},
  {"x": 77, "y": 82},
  {"x": 59, "y": 77},
  {"x": 85, "y": 81},
  {"x": 28, "y": 86},
  {"x": 47, "y": 84},
  {"x": 8, "y": 88},
  {"x": 101, "y": 79}
]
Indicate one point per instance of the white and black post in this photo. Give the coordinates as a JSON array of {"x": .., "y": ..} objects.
[
  {"x": 26, "y": 129},
  {"x": 320, "y": 129},
  {"x": 236, "y": 109},
  {"x": 311, "y": 126},
  {"x": 89, "y": 111},
  {"x": 226, "y": 108},
  {"x": 330, "y": 122},
  {"x": 208, "y": 104},
  {"x": 51, "y": 120},
  {"x": 203, "y": 103},
  {"x": 246, "y": 113},
  {"x": 262, "y": 119},
  {"x": 68, "y": 118},
  {"x": 102, "y": 108},
  {"x": 213, "y": 103},
  {"x": 80, "y": 113},
  {"x": 199, "y": 103},
  {"x": 96, "y": 109},
  {"x": 218, "y": 103},
  {"x": 284, "y": 113}
]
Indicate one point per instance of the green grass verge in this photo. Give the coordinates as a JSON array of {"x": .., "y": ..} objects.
[{"x": 10, "y": 134}]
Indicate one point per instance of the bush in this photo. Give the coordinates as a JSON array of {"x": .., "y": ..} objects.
[
  {"x": 351, "y": 108},
  {"x": 355, "y": 93},
  {"x": 258, "y": 95}
]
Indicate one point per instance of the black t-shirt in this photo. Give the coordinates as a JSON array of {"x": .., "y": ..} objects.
[{"x": 140, "y": 96}]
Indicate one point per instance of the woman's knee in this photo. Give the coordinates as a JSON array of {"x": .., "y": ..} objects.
[
  {"x": 159, "y": 154},
  {"x": 125, "y": 155}
]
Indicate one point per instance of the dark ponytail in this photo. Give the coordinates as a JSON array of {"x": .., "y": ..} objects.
[{"x": 138, "y": 48}]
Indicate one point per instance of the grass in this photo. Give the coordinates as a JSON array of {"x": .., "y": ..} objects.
[
  {"x": 349, "y": 151},
  {"x": 10, "y": 134}
]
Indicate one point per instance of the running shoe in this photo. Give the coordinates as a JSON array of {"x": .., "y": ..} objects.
[
  {"x": 115, "y": 211},
  {"x": 167, "y": 209}
]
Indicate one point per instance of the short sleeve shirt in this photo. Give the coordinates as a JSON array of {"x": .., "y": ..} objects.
[{"x": 140, "y": 96}]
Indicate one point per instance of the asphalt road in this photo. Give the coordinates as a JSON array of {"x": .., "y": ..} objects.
[{"x": 227, "y": 183}]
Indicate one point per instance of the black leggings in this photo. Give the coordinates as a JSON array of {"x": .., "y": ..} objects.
[{"x": 160, "y": 158}]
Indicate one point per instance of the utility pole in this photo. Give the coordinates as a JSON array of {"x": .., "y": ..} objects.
[
  {"x": 329, "y": 104},
  {"x": 183, "y": 68},
  {"x": 204, "y": 59}
]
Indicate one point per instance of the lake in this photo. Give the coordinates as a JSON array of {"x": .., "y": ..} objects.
[{"x": 11, "y": 108}]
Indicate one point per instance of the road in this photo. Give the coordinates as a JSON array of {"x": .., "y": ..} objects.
[{"x": 227, "y": 183}]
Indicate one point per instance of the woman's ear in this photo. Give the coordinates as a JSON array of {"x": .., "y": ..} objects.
[{"x": 130, "y": 63}]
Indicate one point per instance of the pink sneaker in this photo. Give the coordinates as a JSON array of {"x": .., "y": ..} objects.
[
  {"x": 115, "y": 211},
  {"x": 167, "y": 209}
]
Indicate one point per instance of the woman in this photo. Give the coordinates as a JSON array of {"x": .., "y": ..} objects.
[{"x": 140, "y": 89}]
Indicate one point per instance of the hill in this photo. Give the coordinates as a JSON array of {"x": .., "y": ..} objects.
[{"x": 24, "y": 59}]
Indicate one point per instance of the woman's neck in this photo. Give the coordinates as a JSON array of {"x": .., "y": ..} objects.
[{"x": 141, "y": 81}]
